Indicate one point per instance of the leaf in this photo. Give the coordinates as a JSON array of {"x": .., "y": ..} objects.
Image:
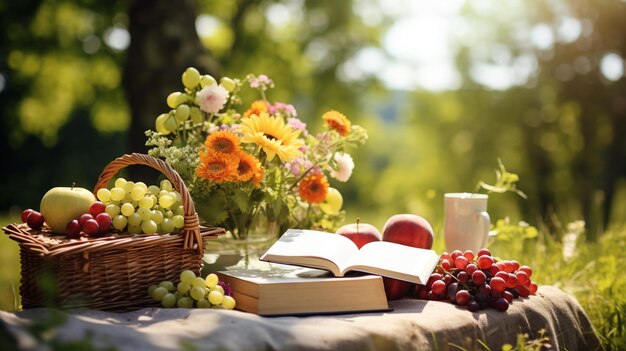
[
  {"x": 256, "y": 196},
  {"x": 276, "y": 207},
  {"x": 270, "y": 195},
  {"x": 242, "y": 200},
  {"x": 505, "y": 181},
  {"x": 284, "y": 209},
  {"x": 212, "y": 210}
]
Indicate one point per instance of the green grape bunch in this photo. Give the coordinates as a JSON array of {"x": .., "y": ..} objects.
[
  {"x": 184, "y": 110},
  {"x": 137, "y": 208},
  {"x": 193, "y": 292}
]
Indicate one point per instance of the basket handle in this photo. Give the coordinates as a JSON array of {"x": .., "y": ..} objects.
[{"x": 191, "y": 229}]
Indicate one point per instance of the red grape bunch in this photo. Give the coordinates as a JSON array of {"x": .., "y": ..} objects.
[
  {"x": 477, "y": 281},
  {"x": 96, "y": 223}
]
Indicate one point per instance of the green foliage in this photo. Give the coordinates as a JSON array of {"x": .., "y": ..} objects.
[
  {"x": 524, "y": 343},
  {"x": 504, "y": 230},
  {"x": 59, "y": 73},
  {"x": 505, "y": 181}
]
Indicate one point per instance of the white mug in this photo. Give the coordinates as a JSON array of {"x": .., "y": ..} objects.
[{"x": 466, "y": 225}]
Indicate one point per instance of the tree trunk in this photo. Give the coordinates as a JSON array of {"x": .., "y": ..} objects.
[{"x": 164, "y": 42}]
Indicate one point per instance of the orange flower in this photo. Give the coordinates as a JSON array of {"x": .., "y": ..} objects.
[
  {"x": 313, "y": 188},
  {"x": 337, "y": 121},
  {"x": 247, "y": 167},
  {"x": 224, "y": 142},
  {"x": 257, "y": 177},
  {"x": 217, "y": 167},
  {"x": 256, "y": 108}
]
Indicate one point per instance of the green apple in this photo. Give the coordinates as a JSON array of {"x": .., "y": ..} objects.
[
  {"x": 333, "y": 202},
  {"x": 62, "y": 204}
]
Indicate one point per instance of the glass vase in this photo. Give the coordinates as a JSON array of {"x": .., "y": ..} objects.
[{"x": 229, "y": 252}]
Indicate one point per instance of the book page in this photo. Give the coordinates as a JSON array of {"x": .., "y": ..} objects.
[
  {"x": 395, "y": 261},
  {"x": 278, "y": 273},
  {"x": 312, "y": 248}
]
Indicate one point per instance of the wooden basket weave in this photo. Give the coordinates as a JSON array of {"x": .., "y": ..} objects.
[{"x": 114, "y": 272}]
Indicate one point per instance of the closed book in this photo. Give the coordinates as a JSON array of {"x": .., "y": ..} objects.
[{"x": 288, "y": 290}]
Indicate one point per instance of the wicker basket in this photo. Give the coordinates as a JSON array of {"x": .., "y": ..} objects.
[{"x": 114, "y": 272}]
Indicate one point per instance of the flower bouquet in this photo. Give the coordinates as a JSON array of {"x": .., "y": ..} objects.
[{"x": 253, "y": 165}]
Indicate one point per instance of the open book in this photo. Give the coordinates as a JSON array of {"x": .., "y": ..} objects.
[{"x": 339, "y": 255}]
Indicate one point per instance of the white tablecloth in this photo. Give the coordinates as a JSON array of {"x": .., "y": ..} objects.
[{"x": 414, "y": 324}]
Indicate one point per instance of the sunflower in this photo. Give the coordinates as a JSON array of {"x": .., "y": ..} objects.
[
  {"x": 313, "y": 188},
  {"x": 256, "y": 108},
  {"x": 272, "y": 135},
  {"x": 217, "y": 167},
  {"x": 337, "y": 121},
  {"x": 247, "y": 167},
  {"x": 224, "y": 142}
]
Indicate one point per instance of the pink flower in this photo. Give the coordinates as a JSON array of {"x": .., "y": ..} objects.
[
  {"x": 324, "y": 138},
  {"x": 294, "y": 168},
  {"x": 261, "y": 81},
  {"x": 345, "y": 165},
  {"x": 281, "y": 107},
  {"x": 299, "y": 165},
  {"x": 212, "y": 98},
  {"x": 297, "y": 124}
]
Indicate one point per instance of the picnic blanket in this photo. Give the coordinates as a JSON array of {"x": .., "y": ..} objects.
[{"x": 412, "y": 325}]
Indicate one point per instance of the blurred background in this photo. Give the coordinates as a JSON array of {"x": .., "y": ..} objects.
[{"x": 444, "y": 88}]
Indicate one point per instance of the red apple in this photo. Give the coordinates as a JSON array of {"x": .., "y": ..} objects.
[
  {"x": 360, "y": 233},
  {"x": 396, "y": 289},
  {"x": 406, "y": 229},
  {"x": 409, "y": 229}
]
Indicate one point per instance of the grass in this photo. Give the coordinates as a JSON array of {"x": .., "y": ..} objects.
[
  {"x": 589, "y": 271},
  {"x": 592, "y": 272},
  {"x": 10, "y": 263}
]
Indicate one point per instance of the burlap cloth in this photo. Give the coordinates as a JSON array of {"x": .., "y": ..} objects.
[{"x": 413, "y": 325}]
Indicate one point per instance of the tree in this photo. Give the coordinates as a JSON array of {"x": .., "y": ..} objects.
[
  {"x": 164, "y": 43},
  {"x": 580, "y": 114}
]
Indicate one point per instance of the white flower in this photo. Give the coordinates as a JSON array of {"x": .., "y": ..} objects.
[
  {"x": 212, "y": 98},
  {"x": 345, "y": 165}
]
